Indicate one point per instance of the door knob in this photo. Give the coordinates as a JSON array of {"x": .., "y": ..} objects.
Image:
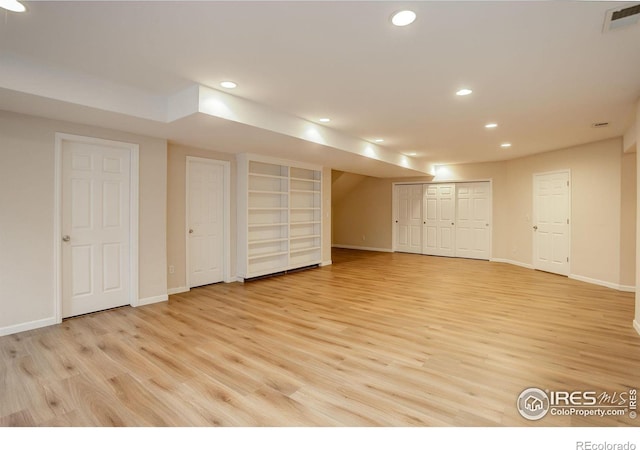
[
  {"x": 190, "y": 231},
  {"x": 66, "y": 238},
  {"x": 452, "y": 223},
  {"x": 396, "y": 221},
  {"x": 535, "y": 227}
]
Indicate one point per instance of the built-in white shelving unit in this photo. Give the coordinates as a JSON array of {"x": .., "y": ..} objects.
[{"x": 279, "y": 216}]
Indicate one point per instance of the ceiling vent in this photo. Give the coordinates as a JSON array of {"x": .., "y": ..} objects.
[
  {"x": 619, "y": 18},
  {"x": 600, "y": 124}
]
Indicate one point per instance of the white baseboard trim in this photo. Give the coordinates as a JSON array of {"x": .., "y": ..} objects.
[
  {"x": 617, "y": 287},
  {"x": 326, "y": 263},
  {"x": 625, "y": 288},
  {"x": 26, "y": 326},
  {"x": 636, "y": 325},
  {"x": 357, "y": 247},
  {"x": 151, "y": 300},
  {"x": 178, "y": 290},
  {"x": 234, "y": 280},
  {"x": 512, "y": 262}
]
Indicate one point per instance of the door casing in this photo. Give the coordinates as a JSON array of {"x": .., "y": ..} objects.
[{"x": 60, "y": 138}]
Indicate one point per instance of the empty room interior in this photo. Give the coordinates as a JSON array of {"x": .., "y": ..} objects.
[{"x": 319, "y": 213}]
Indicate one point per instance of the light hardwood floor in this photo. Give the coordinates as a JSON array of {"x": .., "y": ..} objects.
[{"x": 376, "y": 339}]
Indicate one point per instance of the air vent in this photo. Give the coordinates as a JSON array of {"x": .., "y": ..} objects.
[
  {"x": 600, "y": 124},
  {"x": 619, "y": 18}
]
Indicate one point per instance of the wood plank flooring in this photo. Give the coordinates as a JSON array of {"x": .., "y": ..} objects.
[{"x": 376, "y": 339}]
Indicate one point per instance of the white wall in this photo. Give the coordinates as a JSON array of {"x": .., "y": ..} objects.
[{"x": 26, "y": 217}]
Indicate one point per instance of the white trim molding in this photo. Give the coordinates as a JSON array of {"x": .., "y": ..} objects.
[
  {"x": 151, "y": 300},
  {"x": 178, "y": 290},
  {"x": 26, "y": 326},
  {"x": 326, "y": 263},
  {"x": 357, "y": 247},
  {"x": 617, "y": 287},
  {"x": 512, "y": 262},
  {"x": 636, "y": 325}
]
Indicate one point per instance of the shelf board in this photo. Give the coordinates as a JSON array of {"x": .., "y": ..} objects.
[
  {"x": 303, "y": 250},
  {"x": 305, "y": 208},
  {"x": 268, "y": 241},
  {"x": 311, "y": 236},
  {"x": 305, "y": 191},
  {"x": 268, "y": 192},
  {"x": 268, "y": 224},
  {"x": 268, "y": 209},
  {"x": 267, "y": 255},
  {"x": 304, "y": 179},
  {"x": 264, "y": 175},
  {"x": 316, "y": 222}
]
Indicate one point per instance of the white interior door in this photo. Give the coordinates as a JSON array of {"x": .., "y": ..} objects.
[
  {"x": 473, "y": 222},
  {"x": 551, "y": 211},
  {"x": 438, "y": 234},
  {"x": 205, "y": 214},
  {"x": 408, "y": 218},
  {"x": 95, "y": 207}
]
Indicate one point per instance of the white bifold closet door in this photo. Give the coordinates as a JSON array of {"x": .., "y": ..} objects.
[
  {"x": 473, "y": 220},
  {"x": 439, "y": 216},
  {"x": 408, "y": 218},
  {"x": 444, "y": 219}
]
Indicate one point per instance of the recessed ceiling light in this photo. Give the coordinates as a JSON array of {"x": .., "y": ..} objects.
[
  {"x": 464, "y": 91},
  {"x": 378, "y": 141},
  {"x": 403, "y": 18},
  {"x": 12, "y": 5},
  {"x": 411, "y": 154},
  {"x": 228, "y": 85},
  {"x": 491, "y": 125},
  {"x": 505, "y": 145},
  {"x": 324, "y": 120}
]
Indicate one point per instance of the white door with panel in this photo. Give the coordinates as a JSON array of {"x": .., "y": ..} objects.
[
  {"x": 439, "y": 227},
  {"x": 473, "y": 220},
  {"x": 95, "y": 225},
  {"x": 205, "y": 214},
  {"x": 551, "y": 211},
  {"x": 408, "y": 218}
]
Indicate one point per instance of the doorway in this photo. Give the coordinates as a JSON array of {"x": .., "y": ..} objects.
[
  {"x": 551, "y": 222},
  {"x": 207, "y": 221},
  {"x": 96, "y": 231}
]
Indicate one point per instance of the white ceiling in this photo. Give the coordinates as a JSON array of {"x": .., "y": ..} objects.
[{"x": 544, "y": 71}]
